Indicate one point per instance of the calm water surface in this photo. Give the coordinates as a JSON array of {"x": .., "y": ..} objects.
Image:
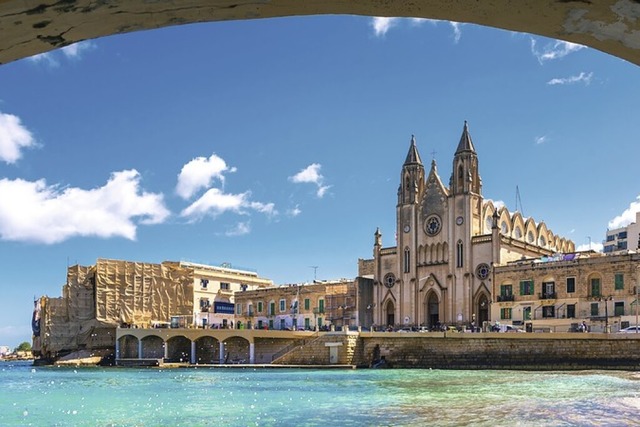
[{"x": 48, "y": 396}]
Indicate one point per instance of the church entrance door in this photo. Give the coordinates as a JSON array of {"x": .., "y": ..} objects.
[
  {"x": 433, "y": 311},
  {"x": 391, "y": 311},
  {"x": 483, "y": 310}
]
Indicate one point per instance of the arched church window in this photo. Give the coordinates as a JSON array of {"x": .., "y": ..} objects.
[
  {"x": 517, "y": 233},
  {"x": 543, "y": 241},
  {"x": 488, "y": 223},
  {"x": 459, "y": 254},
  {"x": 504, "y": 228},
  {"x": 530, "y": 237},
  {"x": 407, "y": 260}
]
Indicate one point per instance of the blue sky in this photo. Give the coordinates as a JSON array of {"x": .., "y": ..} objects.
[{"x": 276, "y": 145}]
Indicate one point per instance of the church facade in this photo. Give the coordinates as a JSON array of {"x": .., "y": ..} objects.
[{"x": 448, "y": 241}]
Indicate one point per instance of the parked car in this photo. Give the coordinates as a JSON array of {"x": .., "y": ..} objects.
[{"x": 630, "y": 330}]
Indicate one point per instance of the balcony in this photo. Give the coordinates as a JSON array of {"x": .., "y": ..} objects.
[
  {"x": 503, "y": 298},
  {"x": 548, "y": 295}
]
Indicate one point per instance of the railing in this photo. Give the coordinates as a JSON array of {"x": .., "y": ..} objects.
[
  {"x": 547, "y": 295},
  {"x": 502, "y": 298}
]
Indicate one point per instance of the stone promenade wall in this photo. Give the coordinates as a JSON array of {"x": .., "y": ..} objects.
[
  {"x": 535, "y": 351},
  {"x": 316, "y": 352}
]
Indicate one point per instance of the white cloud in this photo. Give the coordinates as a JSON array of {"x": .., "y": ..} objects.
[
  {"x": 75, "y": 51},
  {"x": 497, "y": 203},
  {"x": 626, "y": 217},
  {"x": 294, "y": 211},
  {"x": 593, "y": 246},
  {"x": 554, "y": 50},
  {"x": 541, "y": 139},
  {"x": 46, "y": 58},
  {"x": 311, "y": 174},
  {"x": 457, "y": 31},
  {"x": 381, "y": 25},
  {"x": 580, "y": 78},
  {"x": 13, "y": 138},
  {"x": 199, "y": 173},
  {"x": 37, "y": 212},
  {"x": 240, "y": 229},
  {"x": 214, "y": 202}
]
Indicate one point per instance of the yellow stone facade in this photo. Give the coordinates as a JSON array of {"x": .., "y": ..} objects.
[
  {"x": 558, "y": 293},
  {"x": 311, "y": 306}
]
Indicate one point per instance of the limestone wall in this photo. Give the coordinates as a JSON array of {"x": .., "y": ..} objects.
[
  {"x": 317, "y": 351},
  {"x": 504, "y": 351}
]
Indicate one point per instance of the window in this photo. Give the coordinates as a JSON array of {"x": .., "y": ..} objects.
[
  {"x": 283, "y": 305},
  {"x": 204, "y": 283},
  {"x": 594, "y": 308},
  {"x": 543, "y": 241},
  {"x": 618, "y": 308},
  {"x": 526, "y": 287},
  {"x": 517, "y": 233},
  {"x": 260, "y": 324},
  {"x": 571, "y": 311},
  {"x": 611, "y": 238},
  {"x": 307, "y": 303},
  {"x": 622, "y": 235},
  {"x": 488, "y": 223},
  {"x": 530, "y": 237},
  {"x": 250, "y": 309},
  {"x": 204, "y": 304},
  {"x": 595, "y": 287},
  {"x": 505, "y": 313},
  {"x": 270, "y": 323},
  {"x": 504, "y": 228},
  {"x": 319, "y": 321},
  {"x": 224, "y": 286},
  {"x": 506, "y": 290},
  {"x": 259, "y": 306},
  {"x": 272, "y": 311},
  {"x": 619, "y": 281},
  {"x": 407, "y": 260},
  {"x": 526, "y": 313},
  {"x": 548, "y": 289},
  {"x": 320, "y": 307},
  {"x": 282, "y": 326},
  {"x": 548, "y": 311},
  {"x": 238, "y": 308},
  {"x": 571, "y": 285},
  {"x": 307, "y": 323},
  {"x": 459, "y": 259},
  {"x": 622, "y": 245}
]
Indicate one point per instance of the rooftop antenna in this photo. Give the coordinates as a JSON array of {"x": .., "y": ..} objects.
[
  {"x": 519, "y": 201},
  {"x": 315, "y": 270}
]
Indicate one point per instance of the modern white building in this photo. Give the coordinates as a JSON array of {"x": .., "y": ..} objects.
[{"x": 624, "y": 238}]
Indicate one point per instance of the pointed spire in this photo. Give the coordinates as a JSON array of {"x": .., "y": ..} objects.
[
  {"x": 465, "y": 141},
  {"x": 412, "y": 155}
]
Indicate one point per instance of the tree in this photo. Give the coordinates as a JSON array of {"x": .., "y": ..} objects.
[{"x": 24, "y": 346}]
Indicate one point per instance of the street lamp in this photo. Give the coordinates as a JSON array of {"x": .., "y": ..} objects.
[{"x": 606, "y": 313}]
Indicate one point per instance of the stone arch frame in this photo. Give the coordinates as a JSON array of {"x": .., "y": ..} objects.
[
  {"x": 589, "y": 278},
  {"x": 543, "y": 233},
  {"x": 602, "y": 25}
]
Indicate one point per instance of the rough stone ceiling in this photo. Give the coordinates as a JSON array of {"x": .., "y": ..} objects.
[{"x": 32, "y": 27}]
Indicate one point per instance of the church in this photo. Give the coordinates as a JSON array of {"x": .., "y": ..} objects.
[{"x": 448, "y": 241}]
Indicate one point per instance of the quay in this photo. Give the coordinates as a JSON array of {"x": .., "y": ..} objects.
[{"x": 348, "y": 349}]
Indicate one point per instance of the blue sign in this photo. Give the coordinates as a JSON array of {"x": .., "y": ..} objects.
[{"x": 223, "y": 308}]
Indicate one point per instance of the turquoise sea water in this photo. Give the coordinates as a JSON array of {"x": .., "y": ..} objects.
[{"x": 50, "y": 396}]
